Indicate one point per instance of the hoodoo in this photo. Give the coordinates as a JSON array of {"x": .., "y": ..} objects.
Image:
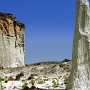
[
  {"x": 11, "y": 41},
  {"x": 79, "y": 78}
]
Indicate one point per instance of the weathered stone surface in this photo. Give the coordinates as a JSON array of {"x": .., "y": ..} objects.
[
  {"x": 79, "y": 78},
  {"x": 11, "y": 41}
]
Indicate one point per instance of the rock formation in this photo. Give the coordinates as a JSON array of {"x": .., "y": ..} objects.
[
  {"x": 11, "y": 41},
  {"x": 79, "y": 78}
]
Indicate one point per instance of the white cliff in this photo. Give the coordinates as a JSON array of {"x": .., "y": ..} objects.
[
  {"x": 11, "y": 41},
  {"x": 79, "y": 78}
]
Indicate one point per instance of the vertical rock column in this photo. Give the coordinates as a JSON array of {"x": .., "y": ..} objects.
[
  {"x": 79, "y": 78},
  {"x": 11, "y": 41}
]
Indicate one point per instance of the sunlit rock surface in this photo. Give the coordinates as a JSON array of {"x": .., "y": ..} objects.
[
  {"x": 80, "y": 74},
  {"x": 11, "y": 41}
]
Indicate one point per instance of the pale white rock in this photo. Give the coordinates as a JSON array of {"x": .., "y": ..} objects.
[{"x": 79, "y": 78}]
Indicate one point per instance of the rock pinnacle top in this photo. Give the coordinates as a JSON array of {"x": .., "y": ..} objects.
[{"x": 83, "y": 1}]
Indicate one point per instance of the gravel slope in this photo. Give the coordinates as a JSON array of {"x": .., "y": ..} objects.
[{"x": 46, "y": 75}]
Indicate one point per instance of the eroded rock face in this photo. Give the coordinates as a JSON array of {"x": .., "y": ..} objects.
[
  {"x": 11, "y": 41},
  {"x": 79, "y": 78}
]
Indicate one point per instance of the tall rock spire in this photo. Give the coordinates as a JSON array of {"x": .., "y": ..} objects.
[{"x": 79, "y": 78}]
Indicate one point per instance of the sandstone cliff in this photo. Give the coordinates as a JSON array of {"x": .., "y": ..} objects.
[{"x": 11, "y": 41}]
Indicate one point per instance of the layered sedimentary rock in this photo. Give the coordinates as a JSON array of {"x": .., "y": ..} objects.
[
  {"x": 79, "y": 78},
  {"x": 11, "y": 41}
]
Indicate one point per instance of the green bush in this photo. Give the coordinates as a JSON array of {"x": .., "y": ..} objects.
[
  {"x": 32, "y": 82},
  {"x": 25, "y": 85},
  {"x": 6, "y": 81},
  {"x": 65, "y": 81},
  {"x": 41, "y": 82},
  {"x": 46, "y": 79},
  {"x": 1, "y": 79},
  {"x": 55, "y": 84}
]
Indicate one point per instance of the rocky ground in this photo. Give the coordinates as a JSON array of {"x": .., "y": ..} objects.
[{"x": 46, "y": 75}]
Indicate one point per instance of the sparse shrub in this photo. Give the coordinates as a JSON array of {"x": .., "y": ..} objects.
[
  {"x": 41, "y": 70},
  {"x": 38, "y": 63},
  {"x": 26, "y": 65},
  {"x": 32, "y": 69},
  {"x": 66, "y": 60},
  {"x": 45, "y": 79},
  {"x": 55, "y": 85},
  {"x": 65, "y": 81},
  {"x": 11, "y": 78},
  {"x": 59, "y": 76},
  {"x": 14, "y": 87},
  {"x": 1, "y": 87},
  {"x": 54, "y": 78},
  {"x": 6, "y": 81},
  {"x": 62, "y": 65},
  {"x": 55, "y": 82},
  {"x": 33, "y": 88},
  {"x": 52, "y": 71},
  {"x": 1, "y": 67},
  {"x": 61, "y": 83},
  {"x": 6, "y": 77},
  {"x": 31, "y": 76},
  {"x": 23, "y": 80},
  {"x": 32, "y": 82},
  {"x": 19, "y": 75},
  {"x": 67, "y": 66},
  {"x": 41, "y": 82},
  {"x": 25, "y": 86},
  {"x": 1, "y": 79},
  {"x": 48, "y": 87},
  {"x": 54, "y": 65},
  {"x": 35, "y": 74}
]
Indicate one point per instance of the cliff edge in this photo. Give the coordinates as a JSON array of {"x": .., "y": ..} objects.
[{"x": 11, "y": 41}]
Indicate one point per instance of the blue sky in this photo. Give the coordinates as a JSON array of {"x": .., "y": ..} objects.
[{"x": 49, "y": 27}]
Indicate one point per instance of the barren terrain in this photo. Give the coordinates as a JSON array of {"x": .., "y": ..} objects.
[{"x": 46, "y": 75}]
